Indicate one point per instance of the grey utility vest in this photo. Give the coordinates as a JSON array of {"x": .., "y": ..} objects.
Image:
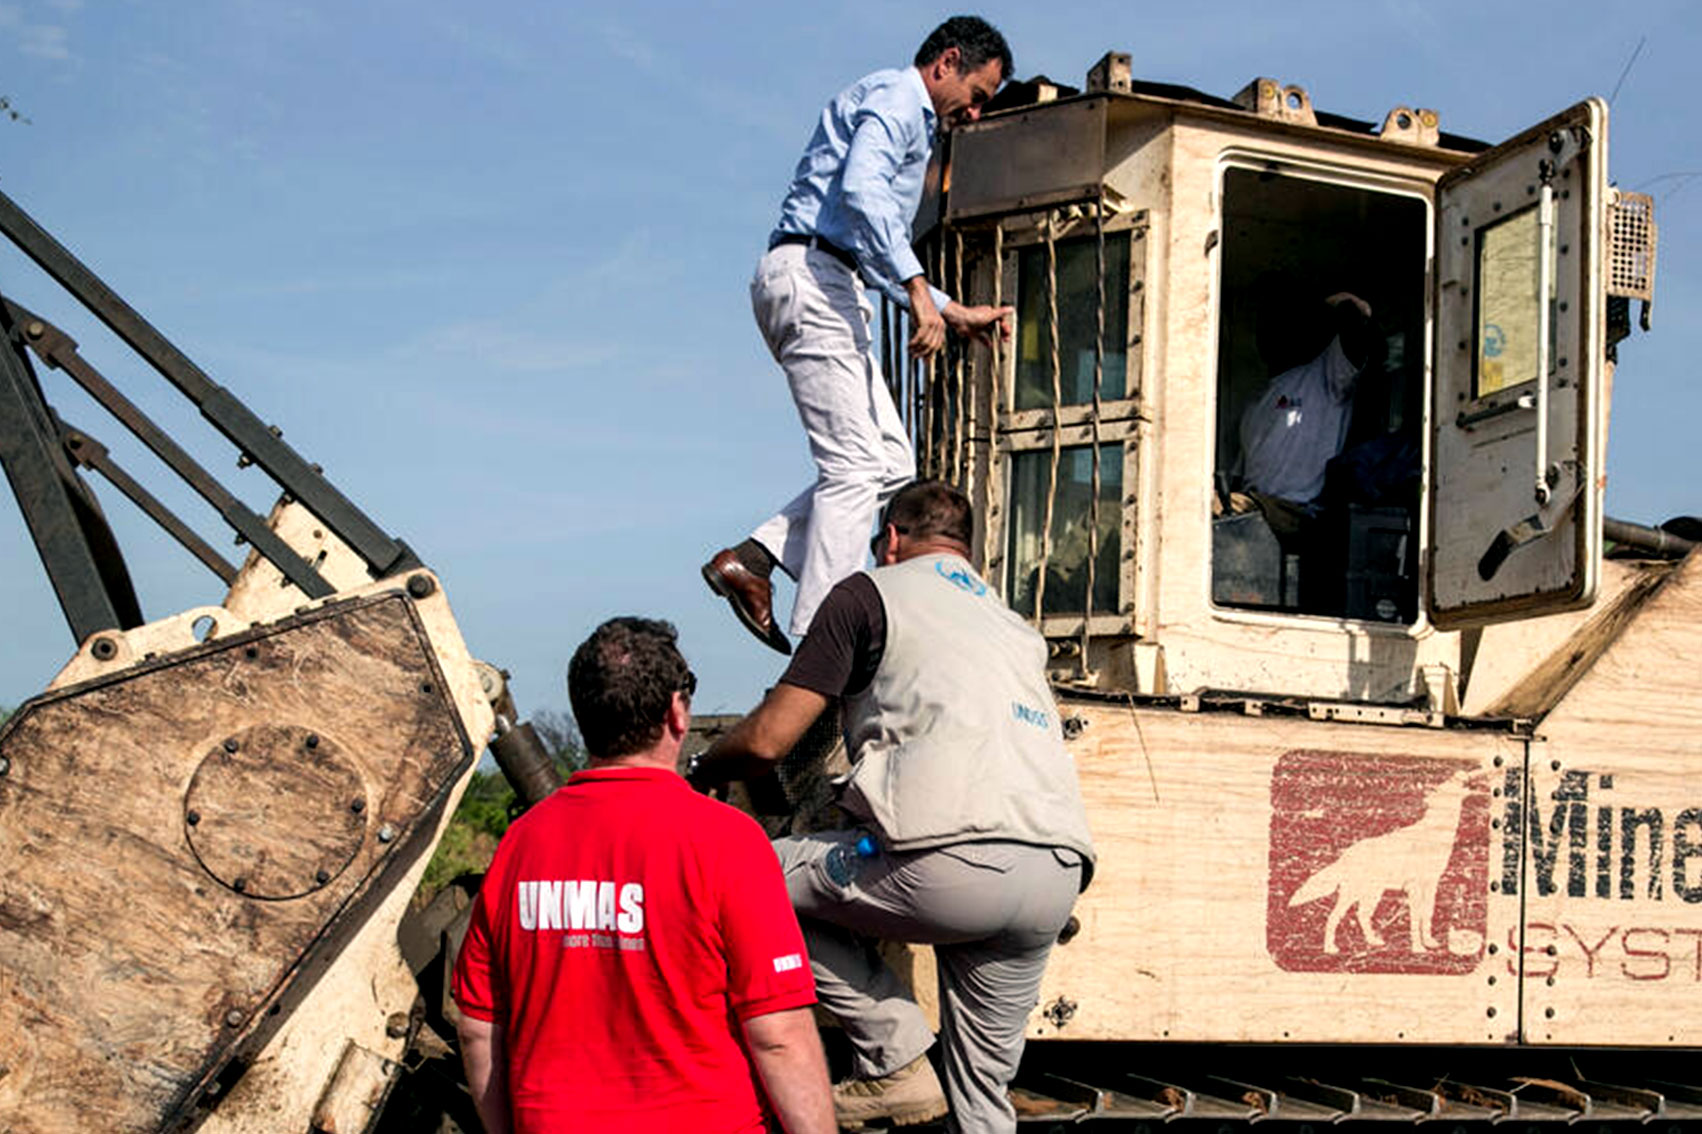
[{"x": 957, "y": 738}]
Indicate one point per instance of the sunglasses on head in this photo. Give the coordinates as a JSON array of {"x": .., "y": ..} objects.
[{"x": 879, "y": 541}]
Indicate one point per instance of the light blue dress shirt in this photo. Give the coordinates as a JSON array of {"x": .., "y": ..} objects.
[{"x": 859, "y": 182}]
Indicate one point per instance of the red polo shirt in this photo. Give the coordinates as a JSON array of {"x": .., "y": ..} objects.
[{"x": 626, "y": 926}]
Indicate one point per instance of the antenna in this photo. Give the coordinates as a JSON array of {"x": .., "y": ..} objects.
[{"x": 1638, "y": 50}]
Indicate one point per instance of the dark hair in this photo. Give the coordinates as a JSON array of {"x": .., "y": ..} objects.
[
  {"x": 976, "y": 40},
  {"x": 621, "y": 681},
  {"x": 931, "y": 508}
]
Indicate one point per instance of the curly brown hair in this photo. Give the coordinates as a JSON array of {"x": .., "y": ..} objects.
[{"x": 621, "y": 681}]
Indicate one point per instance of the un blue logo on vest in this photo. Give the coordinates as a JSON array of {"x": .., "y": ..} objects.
[
  {"x": 1031, "y": 716},
  {"x": 961, "y": 579}
]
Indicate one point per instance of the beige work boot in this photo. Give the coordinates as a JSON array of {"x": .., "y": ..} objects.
[{"x": 907, "y": 1096}]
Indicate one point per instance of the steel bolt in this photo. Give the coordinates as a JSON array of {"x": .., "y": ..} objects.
[
  {"x": 233, "y": 1018},
  {"x": 386, "y": 833},
  {"x": 357, "y": 806},
  {"x": 104, "y": 649},
  {"x": 396, "y": 1025},
  {"x": 421, "y": 586},
  {"x": 5, "y": 765},
  {"x": 192, "y": 818},
  {"x": 231, "y": 744},
  {"x": 425, "y": 687},
  {"x": 35, "y": 330}
]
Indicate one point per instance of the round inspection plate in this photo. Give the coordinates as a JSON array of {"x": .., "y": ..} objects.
[{"x": 275, "y": 811}]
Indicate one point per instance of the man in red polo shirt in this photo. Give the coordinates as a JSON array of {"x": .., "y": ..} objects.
[{"x": 633, "y": 962}]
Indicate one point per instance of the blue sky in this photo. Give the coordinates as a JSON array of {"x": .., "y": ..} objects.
[{"x": 488, "y": 264}]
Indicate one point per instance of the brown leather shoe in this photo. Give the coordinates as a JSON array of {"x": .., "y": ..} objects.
[{"x": 750, "y": 595}]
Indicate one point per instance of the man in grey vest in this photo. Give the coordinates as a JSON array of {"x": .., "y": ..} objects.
[{"x": 972, "y": 834}]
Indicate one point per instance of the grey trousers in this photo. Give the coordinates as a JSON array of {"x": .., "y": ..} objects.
[{"x": 990, "y": 910}]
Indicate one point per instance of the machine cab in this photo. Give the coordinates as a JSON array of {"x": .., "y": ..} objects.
[{"x": 1290, "y": 396}]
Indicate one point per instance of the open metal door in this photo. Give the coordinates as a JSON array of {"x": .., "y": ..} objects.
[{"x": 1517, "y": 441}]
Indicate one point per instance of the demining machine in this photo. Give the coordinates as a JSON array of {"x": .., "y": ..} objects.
[{"x": 1395, "y": 787}]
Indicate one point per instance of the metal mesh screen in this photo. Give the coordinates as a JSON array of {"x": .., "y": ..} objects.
[{"x": 1631, "y": 249}]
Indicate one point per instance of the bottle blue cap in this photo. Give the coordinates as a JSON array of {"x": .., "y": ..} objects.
[{"x": 867, "y": 847}]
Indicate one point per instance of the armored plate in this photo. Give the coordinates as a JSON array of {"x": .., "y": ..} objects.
[{"x": 178, "y": 862}]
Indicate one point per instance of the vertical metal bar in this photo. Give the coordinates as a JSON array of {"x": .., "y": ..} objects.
[
  {"x": 886, "y": 346},
  {"x": 996, "y": 505},
  {"x": 957, "y": 391},
  {"x": 1545, "y": 280},
  {"x": 1057, "y": 412},
  {"x": 1093, "y": 417}
]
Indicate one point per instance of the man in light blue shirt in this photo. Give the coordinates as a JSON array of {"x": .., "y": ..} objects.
[{"x": 848, "y": 214}]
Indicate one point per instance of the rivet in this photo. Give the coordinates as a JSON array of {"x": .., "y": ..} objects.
[
  {"x": 312, "y": 740},
  {"x": 239, "y": 885},
  {"x": 1551, "y": 950},
  {"x": 421, "y": 586},
  {"x": 1495, "y": 824},
  {"x": 192, "y": 818},
  {"x": 1492, "y": 1012},
  {"x": 1549, "y": 1012},
  {"x": 1551, "y": 982},
  {"x": 1495, "y": 887},
  {"x": 357, "y": 806},
  {"x": 233, "y": 1018},
  {"x": 1494, "y": 948},
  {"x": 1491, "y": 980},
  {"x": 251, "y": 653},
  {"x": 1554, "y": 765},
  {"x": 5, "y": 765},
  {"x": 396, "y": 1025},
  {"x": 386, "y": 833},
  {"x": 322, "y": 876},
  {"x": 35, "y": 330},
  {"x": 104, "y": 649},
  {"x": 1499, "y": 760},
  {"x": 231, "y": 744}
]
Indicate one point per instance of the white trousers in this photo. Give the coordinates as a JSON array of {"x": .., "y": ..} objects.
[{"x": 813, "y": 315}]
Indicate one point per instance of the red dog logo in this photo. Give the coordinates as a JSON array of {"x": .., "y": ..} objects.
[{"x": 1379, "y": 864}]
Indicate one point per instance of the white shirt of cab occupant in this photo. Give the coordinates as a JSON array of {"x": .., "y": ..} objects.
[{"x": 1298, "y": 423}]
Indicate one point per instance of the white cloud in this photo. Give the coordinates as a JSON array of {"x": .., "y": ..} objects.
[{"x": 45, "y": 41}]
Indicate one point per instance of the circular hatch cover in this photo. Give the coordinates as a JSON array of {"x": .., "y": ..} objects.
[{"x": 275, "y": 811}]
